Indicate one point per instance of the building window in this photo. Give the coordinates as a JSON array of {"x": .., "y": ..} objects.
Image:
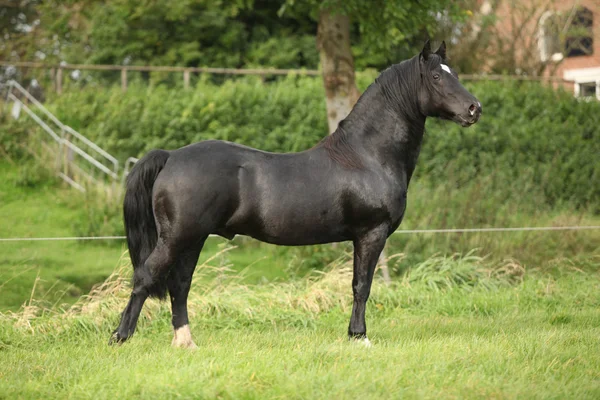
[
  {"x": 579, "y": 40},
  {"x": 586, "y": 80},
  {"x": 587, "y": 89}
]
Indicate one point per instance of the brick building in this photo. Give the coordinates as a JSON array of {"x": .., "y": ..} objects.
[{"x": 563, "y": 35}]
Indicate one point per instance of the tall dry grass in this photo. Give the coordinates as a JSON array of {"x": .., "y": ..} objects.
[{"x": 219, "y": 294}]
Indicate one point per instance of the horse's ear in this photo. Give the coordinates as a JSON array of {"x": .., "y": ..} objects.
[
  {"x": 426, "y": 52},
  {"x": 442, "y": 50}
]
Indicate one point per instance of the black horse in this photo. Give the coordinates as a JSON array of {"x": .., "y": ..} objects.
[{"x": 350, "y": 186}]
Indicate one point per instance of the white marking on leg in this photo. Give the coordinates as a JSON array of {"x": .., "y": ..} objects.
[
  {"x": 363, "y": 342},
  {"x": 183, "y": 338}
]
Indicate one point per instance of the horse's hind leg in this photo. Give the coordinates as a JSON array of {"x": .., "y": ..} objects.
[
  {"x": 149, "y": 280},
  {"x": 178, "y": 283},
  {"x": 129, "y": 318}
]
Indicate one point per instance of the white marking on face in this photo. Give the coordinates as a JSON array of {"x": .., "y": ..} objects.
[
  {"x": 183, "y": 338},
  {"x": 446, "y": 68}
]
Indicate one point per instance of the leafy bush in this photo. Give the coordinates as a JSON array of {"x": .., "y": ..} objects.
[
  {"x": 526, "y": 129},
  {"x": 530, "y": 138},
  {"x": 288, "y": 115}
]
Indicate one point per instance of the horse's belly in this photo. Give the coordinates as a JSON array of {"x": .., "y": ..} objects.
[
  {"x": 301, "y": 239},
  {"x": 291, "y": 225},
  {"x": 301, "y": 234},
  {"x": 288, "y": 203}
]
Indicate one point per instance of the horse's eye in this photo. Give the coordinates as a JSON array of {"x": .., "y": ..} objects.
[{"x": 436, "y": 76}]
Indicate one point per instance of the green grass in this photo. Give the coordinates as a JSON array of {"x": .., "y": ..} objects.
[
  {"x": 449, "y": 326},
  {"x": 67, "y": 268},
  {"x": 62, "y": 271},
  {"x": 502, "y": 334},
  {"x": 33, "y": 205}
]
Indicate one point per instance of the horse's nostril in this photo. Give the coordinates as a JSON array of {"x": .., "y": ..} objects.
[{"x": 472, "y": 109}]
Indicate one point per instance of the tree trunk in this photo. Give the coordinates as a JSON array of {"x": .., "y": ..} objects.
[
  {"x": 333, "y": 42},
  {"x": 337, "y": 63}
]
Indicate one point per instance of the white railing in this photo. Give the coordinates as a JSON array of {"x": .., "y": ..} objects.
[
  {"x": 128, "y": 164},
  {"x": 77, "y": 157}
]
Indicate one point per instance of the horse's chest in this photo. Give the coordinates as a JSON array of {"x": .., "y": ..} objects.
[{"x": 381, "y": 205}]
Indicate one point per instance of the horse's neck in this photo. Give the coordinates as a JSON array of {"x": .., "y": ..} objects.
[{"x": 391, "y": 137}]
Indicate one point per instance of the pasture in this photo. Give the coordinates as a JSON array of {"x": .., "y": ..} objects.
[
  {"x": 452, "y": 327},
  {"x": 464, "y": 313},
  {"x": 59, "y": 272},
  {"x": 506, "y": 332},
  {"x": 513, "y": 315}
]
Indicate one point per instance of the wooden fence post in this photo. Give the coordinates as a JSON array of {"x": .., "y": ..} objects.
[
  {"x": 124, "y": 80},
  {"x": 186, "y": 79},
  {"x": 59, "y": 73}
]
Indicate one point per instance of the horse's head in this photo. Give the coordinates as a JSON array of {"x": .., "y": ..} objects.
[{"x": 441, "y": 94}]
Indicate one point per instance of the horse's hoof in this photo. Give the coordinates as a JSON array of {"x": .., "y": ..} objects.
[
  {"x": 362, "y": 340},
  {"x": 188, "y": 345},
  {"x": 183, "y": 338},
  {"x": 116, "y": 339}
]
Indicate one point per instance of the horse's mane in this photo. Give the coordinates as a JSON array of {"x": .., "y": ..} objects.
[
  {"x": 394, "y": 89},
  {"x": 339, "y": 149}
]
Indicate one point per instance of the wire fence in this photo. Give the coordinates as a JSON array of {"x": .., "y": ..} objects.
[
  {"x": 57, "y": 75},
  {"x": 398, "y": 232}
]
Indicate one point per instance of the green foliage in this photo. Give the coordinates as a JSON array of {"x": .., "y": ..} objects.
[
  {"x": 384, "y": 32},
  {"x": 224, "y": 33},
  {"x": 398, "y": 29},
  {"x": 13, "y": 136},
  {"x": 305, "y": 260},
  {"x": 288, "y": 115},
  {"x": 16, "y": 40},
  {"x": 217, "y": 33},
  {"x": 526, "y": 129},
  {"x": 33, "y": 175},
  {"x": 529, "y": 138},
  {"x": 100, "y": 214},
  {"x": 28, "y": 157}
]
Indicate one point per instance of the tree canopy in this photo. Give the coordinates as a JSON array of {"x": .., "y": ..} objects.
[{"x": 224, "y": 33}]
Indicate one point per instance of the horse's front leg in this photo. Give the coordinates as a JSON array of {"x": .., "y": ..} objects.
[{"x": 367, "y": 249}]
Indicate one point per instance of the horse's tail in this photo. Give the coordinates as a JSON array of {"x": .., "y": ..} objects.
[{"x": 140, "y": 225}]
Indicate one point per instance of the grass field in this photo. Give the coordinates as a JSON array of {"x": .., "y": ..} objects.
[
  {"x": 447, "y": 327},
  {"x": 60, "y": 272},
  {"x": 504, "y": 333}
]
